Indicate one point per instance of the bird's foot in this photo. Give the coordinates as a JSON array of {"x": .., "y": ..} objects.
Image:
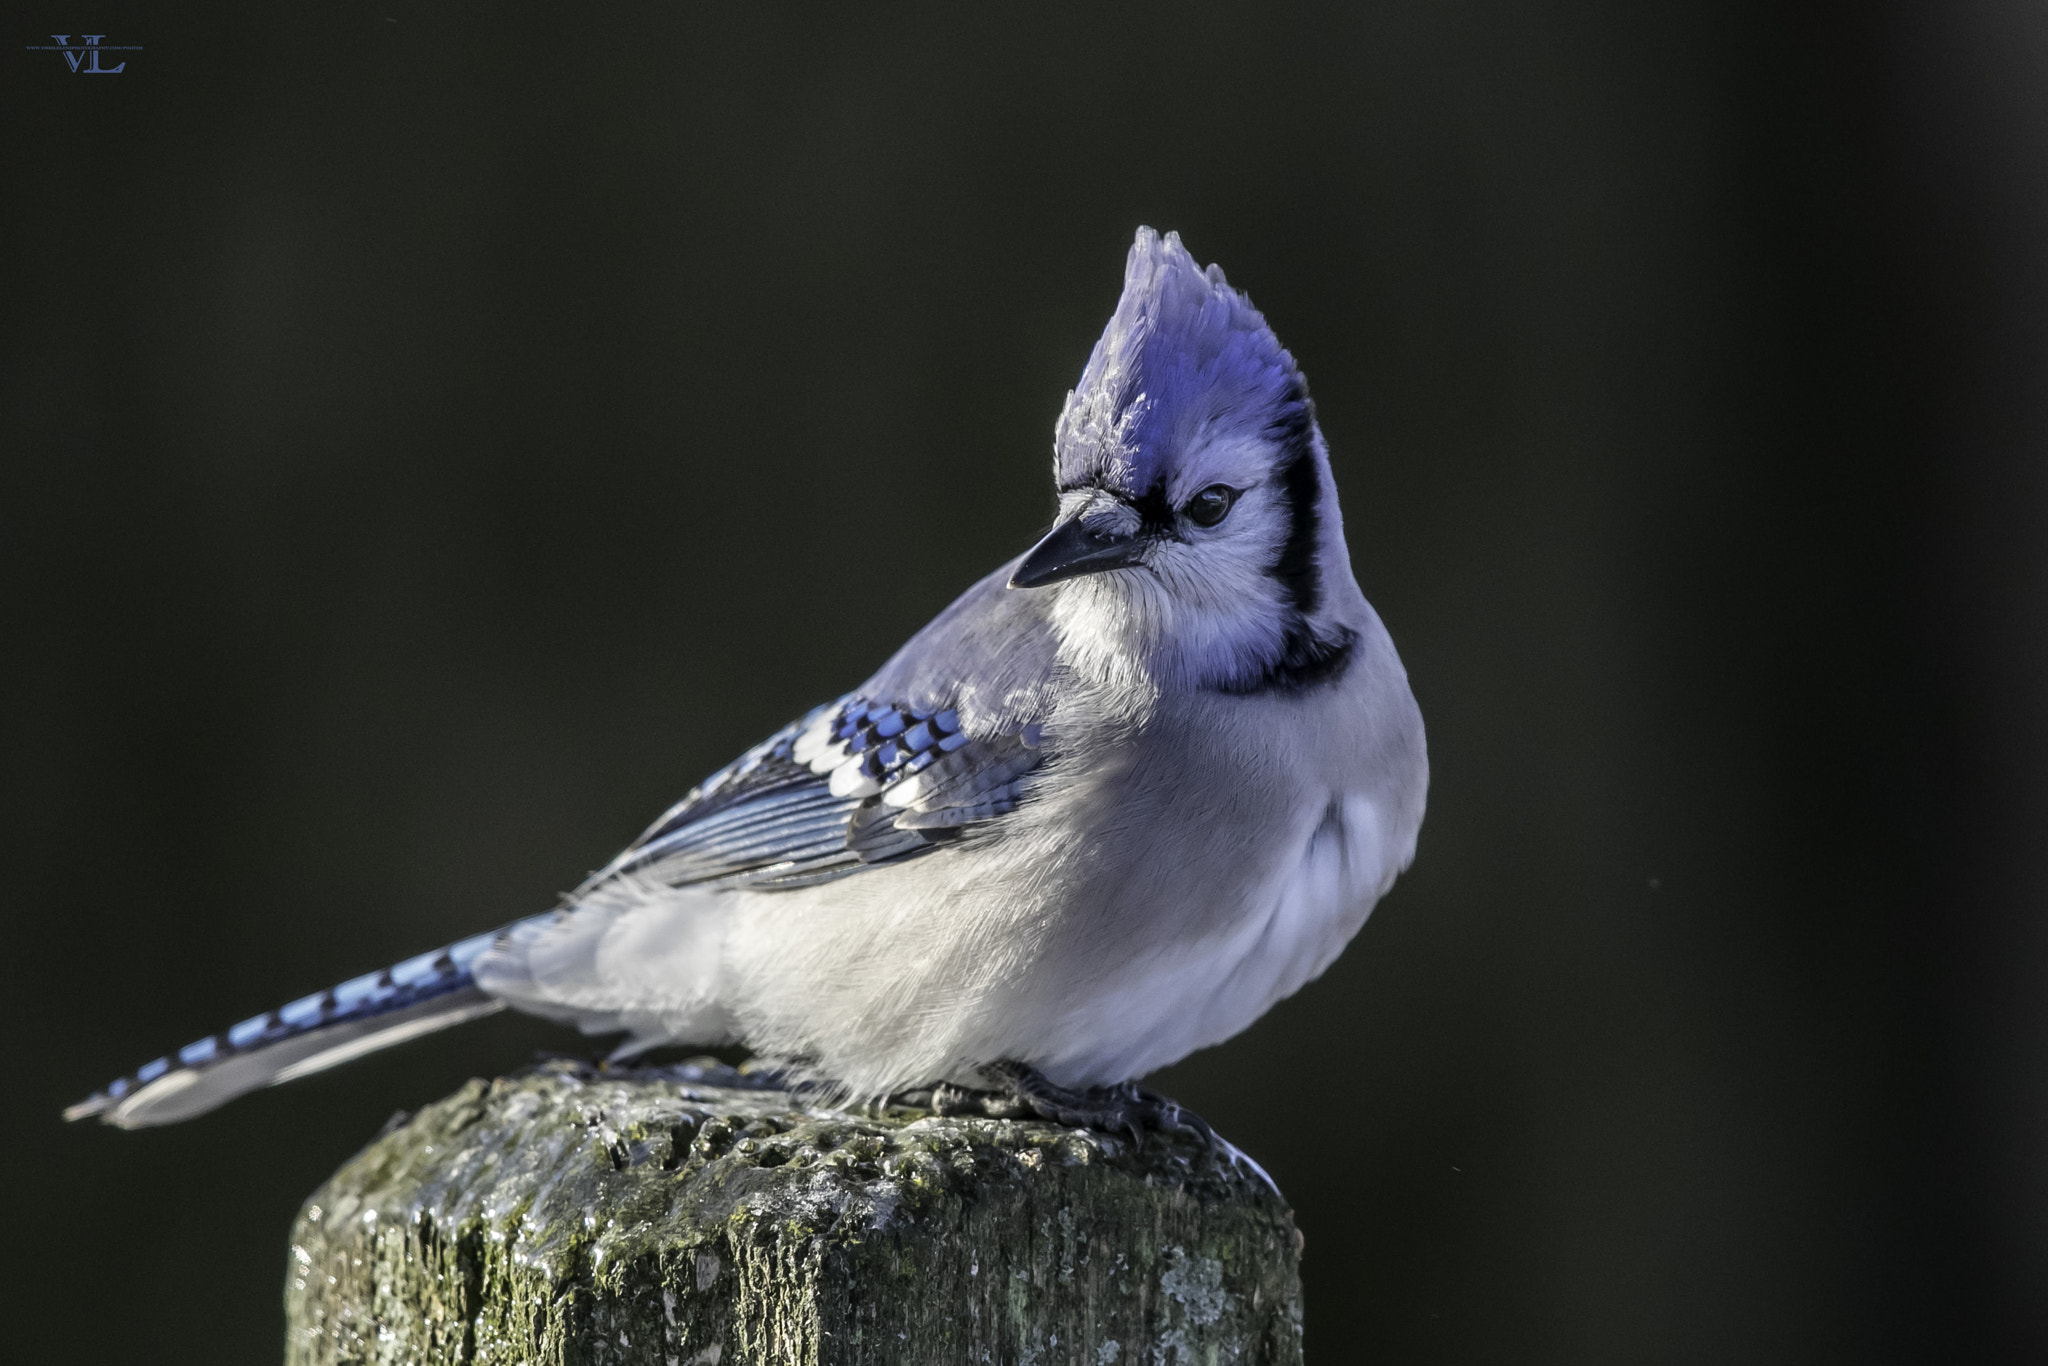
[{"x": 1022, "y": 1092}]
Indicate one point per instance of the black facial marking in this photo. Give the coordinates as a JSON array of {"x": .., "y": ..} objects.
[
  {"x": 1155, "y": 514},
  {"x": 1306, "y": 660},
  {"x": 1301, "y": 492}
]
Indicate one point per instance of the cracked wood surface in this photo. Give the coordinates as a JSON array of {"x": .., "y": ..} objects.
[{"x": 682, "y": 1215}]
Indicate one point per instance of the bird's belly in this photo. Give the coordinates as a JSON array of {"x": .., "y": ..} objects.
[
  {"x": 1031, "y": 947},
  {"x": 1180, "y": 993}
]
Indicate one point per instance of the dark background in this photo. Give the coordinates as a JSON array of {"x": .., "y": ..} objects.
[{"x": 436, "y": 436}]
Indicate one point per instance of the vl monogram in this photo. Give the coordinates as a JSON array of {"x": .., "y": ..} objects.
[{"x": 86, "y": 60}]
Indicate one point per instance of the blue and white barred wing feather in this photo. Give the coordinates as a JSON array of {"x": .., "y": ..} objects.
[
  {"x": 940, "y": 739},
  {"x": 763, "y": 819},
  {"x": 851, "y": 785}
]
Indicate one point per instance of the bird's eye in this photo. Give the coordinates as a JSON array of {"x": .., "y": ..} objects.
[{"x": 1211, "y": 505}]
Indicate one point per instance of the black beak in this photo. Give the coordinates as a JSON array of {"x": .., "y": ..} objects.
[{"x": 1070, "y": 550}]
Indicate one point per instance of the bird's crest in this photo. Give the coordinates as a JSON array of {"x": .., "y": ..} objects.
[{"x": 1185, "y": 357}]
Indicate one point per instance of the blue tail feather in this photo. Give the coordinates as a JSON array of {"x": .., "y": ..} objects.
[{"x": 427, "y": 992}]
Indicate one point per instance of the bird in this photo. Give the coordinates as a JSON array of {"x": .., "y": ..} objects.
[{"x": 1131, "y": 789}]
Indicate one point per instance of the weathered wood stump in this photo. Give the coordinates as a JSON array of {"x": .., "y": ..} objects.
[{"x": 680, "y": 1215}]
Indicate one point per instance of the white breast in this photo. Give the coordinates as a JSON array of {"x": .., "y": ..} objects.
[{"x": 1193, "y": 994}]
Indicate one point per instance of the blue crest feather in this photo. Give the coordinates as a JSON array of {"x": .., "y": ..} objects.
[{"x": 1184, "y": 356}]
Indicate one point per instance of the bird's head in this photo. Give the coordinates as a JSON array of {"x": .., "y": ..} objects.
[{"x": 1198, "y": 542}]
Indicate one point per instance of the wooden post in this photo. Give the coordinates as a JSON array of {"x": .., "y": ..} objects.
[{"x": 682, "y": 1217}]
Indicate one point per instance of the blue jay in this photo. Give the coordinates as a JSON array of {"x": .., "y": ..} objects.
[{"x": 1131, "y": 789}]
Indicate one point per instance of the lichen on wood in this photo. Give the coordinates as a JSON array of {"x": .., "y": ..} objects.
[{"x": 684, "y": 1217}]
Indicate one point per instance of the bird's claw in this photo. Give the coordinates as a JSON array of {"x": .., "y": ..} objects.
[{"x": 1021, "y": 1092}]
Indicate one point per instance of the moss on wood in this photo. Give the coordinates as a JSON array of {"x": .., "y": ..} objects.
[{"x": 679, "y": 1215}]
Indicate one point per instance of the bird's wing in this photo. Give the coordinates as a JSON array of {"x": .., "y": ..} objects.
[
  {"x": 851, "y": 785},
  {"x": 941, "y": 739}
]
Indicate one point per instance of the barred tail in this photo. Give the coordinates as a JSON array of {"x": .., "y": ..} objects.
[{"x": 420, "y": 995}]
